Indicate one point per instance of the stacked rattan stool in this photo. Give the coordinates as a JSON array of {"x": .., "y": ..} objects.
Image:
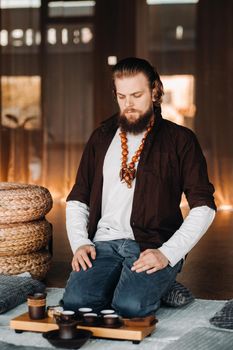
[{"x": 24, "y": 232}]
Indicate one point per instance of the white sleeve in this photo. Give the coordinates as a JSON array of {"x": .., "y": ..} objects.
[
  {"x": 77, "y": 218},
  {"x": 190, "y": 232}
]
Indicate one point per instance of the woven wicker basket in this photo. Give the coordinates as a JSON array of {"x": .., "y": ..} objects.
[
  {"x": 23, "y": 238},
  {"x": 37, "y": 264},
  {"x": 23, "y": 202}
]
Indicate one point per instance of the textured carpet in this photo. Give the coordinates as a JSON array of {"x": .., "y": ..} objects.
[
  {"x": 184, "y": 325},
  {"x": 6, "y": 346},
  {"x": 204, "y": 339}
]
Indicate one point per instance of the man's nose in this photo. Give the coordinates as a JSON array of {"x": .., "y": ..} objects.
[{"x": 128, "y": 101}]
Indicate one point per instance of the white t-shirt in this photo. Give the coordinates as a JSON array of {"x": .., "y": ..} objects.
[{"x": 117, "y": 198}]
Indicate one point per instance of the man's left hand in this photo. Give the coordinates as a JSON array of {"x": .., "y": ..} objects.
[{"x": 151, "y": 260}]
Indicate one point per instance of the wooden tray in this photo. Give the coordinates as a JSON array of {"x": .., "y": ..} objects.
[{"x": 134, "y": 333}]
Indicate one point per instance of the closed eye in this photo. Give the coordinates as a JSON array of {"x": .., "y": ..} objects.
[{"x": 137, "y": 95}]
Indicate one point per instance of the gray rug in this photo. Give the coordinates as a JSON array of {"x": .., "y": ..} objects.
[
  {"x": 174, "y": 325},
  {"x": 6, "y": 346},
  {"x": 204, "y": 339}
]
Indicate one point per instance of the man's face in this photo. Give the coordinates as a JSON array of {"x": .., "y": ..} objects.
[{"x": 134, "y": 96}]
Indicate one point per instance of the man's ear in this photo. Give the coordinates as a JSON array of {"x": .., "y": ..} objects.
[{"x": 153, "y": 94}]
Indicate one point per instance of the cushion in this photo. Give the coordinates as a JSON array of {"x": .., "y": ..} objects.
[
  {"x": 178, "y": 295},
  {"x": 15, "y": 288},
  {"x": 23, "y": 202},
  {"x": 224, "y": 317}
]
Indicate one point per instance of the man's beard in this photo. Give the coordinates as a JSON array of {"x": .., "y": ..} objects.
[{"x": 137, "y": 126}]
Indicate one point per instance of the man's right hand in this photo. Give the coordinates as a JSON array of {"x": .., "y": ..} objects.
[{"x": 81, "y": 257}]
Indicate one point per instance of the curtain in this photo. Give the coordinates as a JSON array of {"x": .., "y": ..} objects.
[
  {"x": 20, "y": 123},
  {"x": 68, "y": 111},
  {"x": 46, "y": 95},
  {"x": 214, "y": 91}
]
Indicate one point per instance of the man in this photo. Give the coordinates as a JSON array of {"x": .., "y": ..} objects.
[{"x": 123, "y": 214}]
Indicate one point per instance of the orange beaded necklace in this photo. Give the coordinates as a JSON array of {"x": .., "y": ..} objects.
[{"x": 128, "y": 171}]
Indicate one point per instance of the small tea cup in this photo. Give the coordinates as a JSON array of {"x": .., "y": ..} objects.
[
  {"x": 84, "y": 310},
  {"x": 107, "y": 312},
  {"x": 53, "y": 311},
  {"x": 90, "y": 317},
  {"x": 67, "y": 316},
  {"x": 111, "y": 319}
]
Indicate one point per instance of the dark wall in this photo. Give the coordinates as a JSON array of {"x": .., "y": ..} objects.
[
  {"x": 214, "y": 91},
  {"x": 116, "y": 26}
]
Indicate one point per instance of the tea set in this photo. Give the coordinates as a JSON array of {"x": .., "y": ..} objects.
[{"x": 68, "y": 335}]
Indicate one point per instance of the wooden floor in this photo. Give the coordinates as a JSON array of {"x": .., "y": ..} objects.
[{"x": 208, "y": 270}]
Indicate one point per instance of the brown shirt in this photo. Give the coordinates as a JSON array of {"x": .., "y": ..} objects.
[{"x": 171, "y": 163}]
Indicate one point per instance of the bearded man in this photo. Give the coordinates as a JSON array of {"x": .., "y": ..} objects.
[{"x": 124, "y": 221}]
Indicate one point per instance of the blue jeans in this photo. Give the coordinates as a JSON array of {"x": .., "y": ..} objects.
[{"x": 111, "y": 283}]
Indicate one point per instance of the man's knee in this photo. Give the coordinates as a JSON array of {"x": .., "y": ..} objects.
[
  {"x": 132, "y": 307},
  {"x": 79, "y": 292},
  {"x": 74, "y": 298},
  {"x": 75, "y": 295}
]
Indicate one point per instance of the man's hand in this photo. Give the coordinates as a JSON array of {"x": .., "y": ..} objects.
[
  {"x": 81, "y": 257},
  {"x": 150, "y": 260}
]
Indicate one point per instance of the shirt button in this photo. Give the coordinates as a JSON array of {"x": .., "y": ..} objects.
[{"x": 133, "y": 223}]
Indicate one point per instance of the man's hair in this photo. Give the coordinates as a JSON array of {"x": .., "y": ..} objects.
[{"x": 131, "y": 66}]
